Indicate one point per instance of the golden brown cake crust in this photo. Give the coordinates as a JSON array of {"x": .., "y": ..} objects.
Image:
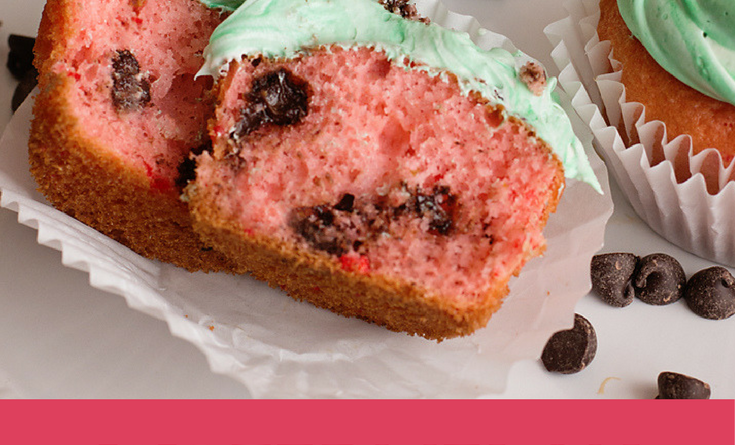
[
  {"x": 684, "y": 110},
  {"x": 81, "y": 178},
  {"x": 319, "y": 280}
]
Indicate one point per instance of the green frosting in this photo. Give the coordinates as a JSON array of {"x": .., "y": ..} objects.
[
  {"x": 227, "y": 5},
  {"x": 283, "y": 28},
  {"x": 694, "y": 40}
]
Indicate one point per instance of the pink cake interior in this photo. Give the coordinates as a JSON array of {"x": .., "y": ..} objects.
[
  {"x": 165, "y": 40},
  {"x": 391, "y": 171}
]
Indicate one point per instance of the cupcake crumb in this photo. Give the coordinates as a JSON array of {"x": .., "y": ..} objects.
[{"x": 534, "y": 76}]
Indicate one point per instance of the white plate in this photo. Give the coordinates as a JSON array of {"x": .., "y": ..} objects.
[{"x": 61, "y": 337}]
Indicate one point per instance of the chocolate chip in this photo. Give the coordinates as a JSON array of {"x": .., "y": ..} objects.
[
  {"x": 20, "y": 57},
  {"x": 347, "y": 203},
  {"x": 439, "y": 207},
  {"x": 131, "y": 89},
  {"x": 570, "y": 351},
  {"x": 187, "y": 168},
  {"x": 316, "y": 226},
  {"x": 710, "y": 293},
  {"x": 659, "y": 279},
  {"x": 611, "y": 275},
  {"x": 672, "y": 385},
  {"x": 277, "y": 97},
  {"x": 23, "y": 89}
]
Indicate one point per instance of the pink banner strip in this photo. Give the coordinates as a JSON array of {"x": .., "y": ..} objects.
[{"x": 372, "y": 422}]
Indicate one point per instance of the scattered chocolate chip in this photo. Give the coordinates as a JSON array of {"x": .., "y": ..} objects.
[
  {"x": 659, "y": 280},
  {"x": 276, "y": 97},
  {"x": 611, "y": 275},
  {"x": 672, "y": 385},
  {"x": 22, "y": 90},
  {"x": 404, "y": 9},
  {"x": 710, "y": 293},
  {"x": 570, "y": 351},
  {"x": 187, "y": 168},
  {"x": 131, "y": 89},
  {"x": 20, "y": 57}
]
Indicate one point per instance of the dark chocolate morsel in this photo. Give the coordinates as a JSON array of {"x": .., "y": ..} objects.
[
  {"x": 277, "y": 97},
  {"x": 187, "y": 168},
  {"x": 316, "y": 226},
  {"x": 611, "y": 275},
  {"x": 570, "y": 351},
  {"x": 347, "y": 203},
  {"x": 439, "y": 207},
  {"x": 131, "y": 89},
  {"x": 672, "y": 385},
  {"x": 659, "y": 280},
  {"x": 20, "y": 57},
  {"x": 710, "y": 293}
]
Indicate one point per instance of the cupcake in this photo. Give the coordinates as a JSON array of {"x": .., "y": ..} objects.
[
  {"x": 657, "y": 72},
  {"x": 361, "y": 166}
]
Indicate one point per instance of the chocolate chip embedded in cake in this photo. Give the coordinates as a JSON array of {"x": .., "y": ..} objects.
[
  {"x": 276, "y": 97},
  {"x": 131, "y": 89}
]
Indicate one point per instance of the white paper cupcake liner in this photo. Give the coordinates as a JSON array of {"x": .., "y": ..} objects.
[
  {"x": 661, "y": 179},
  {"x": 278, "y": 347}
]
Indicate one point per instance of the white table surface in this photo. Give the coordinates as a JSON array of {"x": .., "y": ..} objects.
[{"x": 62, "y": 338}]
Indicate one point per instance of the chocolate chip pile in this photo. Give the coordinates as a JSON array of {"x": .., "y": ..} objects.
[
  {"x": 20, "y": 65},
  {"x": 659, "y": 279}
]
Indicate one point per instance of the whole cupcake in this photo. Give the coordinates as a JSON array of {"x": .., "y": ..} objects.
[{"x": 663, "y": 75}]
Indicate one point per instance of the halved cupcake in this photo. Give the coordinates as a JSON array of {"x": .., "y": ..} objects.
[{"x": 378, "y": 165}]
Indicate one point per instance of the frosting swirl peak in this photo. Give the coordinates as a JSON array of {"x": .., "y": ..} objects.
[{"x": 694, "y": 40}]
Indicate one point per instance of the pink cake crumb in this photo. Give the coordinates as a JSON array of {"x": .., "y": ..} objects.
[{"x": 391, "y": 171}]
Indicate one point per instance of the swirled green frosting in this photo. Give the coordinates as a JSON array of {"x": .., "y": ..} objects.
[
  {"x": 283, "y": 28},
  {"x": 694, "y": 40}
]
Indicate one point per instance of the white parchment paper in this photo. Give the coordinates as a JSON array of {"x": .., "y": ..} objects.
[
  {"x": 661, "y": 178},
  {"x": 278, "y": 347}
]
